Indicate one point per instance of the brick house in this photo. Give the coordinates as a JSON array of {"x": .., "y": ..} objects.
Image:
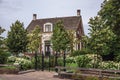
[{"x": 71, "y": 23}]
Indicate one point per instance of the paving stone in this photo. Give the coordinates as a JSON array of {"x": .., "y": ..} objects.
[{"x": 37, "y": 75}]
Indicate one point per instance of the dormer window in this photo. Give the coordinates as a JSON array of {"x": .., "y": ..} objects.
[{"x": 48, "y": 27}]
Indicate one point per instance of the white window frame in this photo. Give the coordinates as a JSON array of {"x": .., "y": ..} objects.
[{"x": 50, "y": 25}]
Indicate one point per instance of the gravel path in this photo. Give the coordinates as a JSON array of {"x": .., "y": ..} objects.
[{"x": 38, "y": 75}]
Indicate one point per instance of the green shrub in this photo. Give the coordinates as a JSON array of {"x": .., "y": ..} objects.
[
  {"x": 95, "y": 60},
  {"x": 117, "y": 58},
  {"x": 24, "y": 64},
  {"x": 11, "y": 59},
  {"x": 3, "y": 57},
  {"x": 7, "y": 67},
  {"x": 60, "y": 61},
  {"x": 52, "y": 61},
  {"x": 83, "y": 61},
  {"x": 79, "y": 52},
  {"x": 110, "y": 65},
  {"x": 46, "y": 63},
  {"x": 70, "y": 60},
  {"x": 74, "y": 65}
]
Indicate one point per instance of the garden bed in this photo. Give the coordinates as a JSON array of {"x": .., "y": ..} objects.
[
  {"x": 83, "y": 73},
  {"x": 6, "y": 69}
]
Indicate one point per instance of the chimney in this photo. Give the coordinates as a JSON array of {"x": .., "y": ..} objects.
[
  {"x": 34, "y": 16},
  {"x": 78, "y": 12}
]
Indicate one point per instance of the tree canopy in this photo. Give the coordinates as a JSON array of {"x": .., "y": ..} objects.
[
  {"x": 1, "y": 38},
  {"x": 17, "y": 38},
  {"x": 104, "y": 36},
  {"x": 100, "y": 36},
  {"x": 34, "y": 39},
  {"x": 110, "y": 14},
  {"x": 60, "y": 38}
]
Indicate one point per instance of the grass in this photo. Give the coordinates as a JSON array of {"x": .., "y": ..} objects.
[
  {"x": 7, "y": 67},
  {"x": 74, "y": 65}
]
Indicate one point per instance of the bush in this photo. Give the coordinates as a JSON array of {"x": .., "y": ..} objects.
[
  {"x": 117, "y": 58},
  {"x": 52, "y": 61},
  {"x": 60, "y": 61},
  {"x": 95, "y": 60},
  {"x": 110, "y": 65},
  {"x": 11, "y": 59},
  {"x": 74, "y": 65},
  {"x": 79, "y": 52},
  {"x": 70, "y": 60},
  {"x": 7, "y": 67},
  {"x": 23, "y": 63},
  {"x": 3, "y": 57},
  {"x": 46, "y": 63},
  {"x": 83, "y": 61}
]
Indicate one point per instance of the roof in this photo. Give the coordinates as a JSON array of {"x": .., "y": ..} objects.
[{"x": 71, "y": 22}]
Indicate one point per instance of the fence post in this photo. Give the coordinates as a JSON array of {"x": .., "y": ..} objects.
[
  {"x": 64, "y": 60},
  {"x": 35, "y": 60},
  {"x": 49, "y": 61},
  {"x": 42, "y": 61},
  {"x": 56, "y": 64}
]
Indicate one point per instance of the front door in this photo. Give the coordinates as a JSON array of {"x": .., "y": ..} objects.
[{"x": 47, "y": 48}]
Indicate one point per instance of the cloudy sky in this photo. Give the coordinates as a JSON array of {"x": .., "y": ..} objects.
[{"x": 12, "y": 10}]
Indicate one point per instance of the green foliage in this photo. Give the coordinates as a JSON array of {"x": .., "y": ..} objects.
[
  {"x": 79, "y": 52},
  {"x": 60, "y": 39},
  {"x": 52, "y": 61},
  {"x": 11, "y": 59},
  {"x": 1, "y": 38},
  {"x": 34, "y": 39},
  {"x": 17, "y": 38},
  {"x": 72, "y": 40},
  {"x": 60, "y": 61},
  {"x": 1, "y": 30},
  {"x": 110, "y": 65},
  {"x": 100, "y": 36},
  {"x": 73, "y": 65},
  {"x": 70, "y": 60},
  {"x": 117, "y": 58},
  {"x": 110, "y": 13},
  {"x": 8, "y": 67},
  {"x": 24, "y": 64},
  {"x": 105, "y": 29},
  {"x": 39, "y": 61},
  {"x": 83, "y": 61},
  {"x": 3, "y": 57}
]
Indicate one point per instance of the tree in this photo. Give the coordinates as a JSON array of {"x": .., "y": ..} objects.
[
  {"x": 105, "y": 30},
  {"x": 1, "y": 38},
  {"x": 71, "y": 36},
  {"x": 100, "y": 36},
  {"x": 60, "y": 38},
  {"x": 34, "y": 39},
  {"x": 17, "y": 38},
  {"x": 110, "y": 13}
]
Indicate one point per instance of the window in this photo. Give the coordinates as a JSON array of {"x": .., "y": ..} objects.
[{"x": 48, "y": 27}]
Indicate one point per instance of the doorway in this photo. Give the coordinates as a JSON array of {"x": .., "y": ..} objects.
[{"x": 47, "y": 48}]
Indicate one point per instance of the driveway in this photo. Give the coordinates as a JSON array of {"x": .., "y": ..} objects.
[{"x": 37, "y": 75}]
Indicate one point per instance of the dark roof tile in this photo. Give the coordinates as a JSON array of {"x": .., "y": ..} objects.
[{"x": 71, "y": 22}]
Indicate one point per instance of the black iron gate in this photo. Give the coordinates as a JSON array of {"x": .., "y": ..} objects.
[{"x": 43, "y": 62}]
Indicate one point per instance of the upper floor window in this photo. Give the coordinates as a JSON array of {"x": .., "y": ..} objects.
[{"x": 48, "y": 27}]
